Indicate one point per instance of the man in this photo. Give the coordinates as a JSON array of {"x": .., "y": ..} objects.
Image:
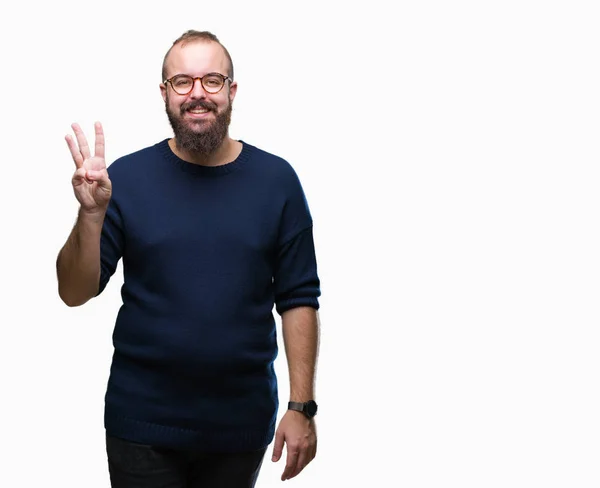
[{"x": 213, "y": 233}]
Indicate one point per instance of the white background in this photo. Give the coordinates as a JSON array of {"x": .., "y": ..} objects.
[{"x": 449, "y": 153}]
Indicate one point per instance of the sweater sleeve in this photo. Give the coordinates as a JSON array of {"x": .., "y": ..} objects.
[
  {"x": 295, "y": 277},
  {"x": 111, "y": 244}
]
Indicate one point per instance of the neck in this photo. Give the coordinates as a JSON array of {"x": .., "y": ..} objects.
[{"x": 225, "y": 153}]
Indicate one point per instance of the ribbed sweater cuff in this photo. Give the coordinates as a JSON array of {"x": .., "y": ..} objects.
[{"x": 284, "y": 305}]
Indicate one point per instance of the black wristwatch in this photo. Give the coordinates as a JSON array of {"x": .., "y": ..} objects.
[{"x": 308, "y": 408}]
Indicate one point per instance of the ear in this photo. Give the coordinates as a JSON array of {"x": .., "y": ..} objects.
[
  {"x": 232, "y": 90},
  {"x": 163, "y": 91}
]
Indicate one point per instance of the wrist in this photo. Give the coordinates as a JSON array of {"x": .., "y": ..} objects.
[
  {"x": 93, "y": 216},
  {"x": 308, "y": 408}
]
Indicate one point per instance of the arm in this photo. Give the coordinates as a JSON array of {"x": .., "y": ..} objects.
[
  {"x": 301, "y": 332},
  {"x": 297, "y": 288},
  {"x": 78, "y": 262},
  {"x": 301, "y": 338}
]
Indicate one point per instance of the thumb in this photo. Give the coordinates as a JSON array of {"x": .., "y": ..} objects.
[
  {"x": 278, "y": 447},
  {"x": 101, "y": 177}
]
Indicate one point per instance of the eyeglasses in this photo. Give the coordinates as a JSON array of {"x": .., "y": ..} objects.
[{"x": 184, "y": 84}]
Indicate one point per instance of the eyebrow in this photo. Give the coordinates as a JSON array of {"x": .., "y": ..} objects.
[{"x": 192, "y": 76}]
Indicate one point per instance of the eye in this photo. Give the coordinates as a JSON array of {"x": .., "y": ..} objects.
[
  {"x": 213, "y": 81},
  {"x": 182, "y": 82}
]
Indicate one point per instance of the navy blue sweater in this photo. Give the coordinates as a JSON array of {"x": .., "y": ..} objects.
[{"x": 208, "y": 253}]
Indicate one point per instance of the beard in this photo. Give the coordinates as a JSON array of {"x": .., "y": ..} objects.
[{"x": 200, "y": 137}]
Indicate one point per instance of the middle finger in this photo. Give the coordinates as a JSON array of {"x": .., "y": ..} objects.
[
  {"x": 75, "y": 153},
  {"x": 82, "y": 141}
]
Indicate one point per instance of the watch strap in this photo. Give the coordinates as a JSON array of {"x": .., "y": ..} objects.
[
  {"x": 309, "y": 408},
  {"x": 298, "y": 406}
]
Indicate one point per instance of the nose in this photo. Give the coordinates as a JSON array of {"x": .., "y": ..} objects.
[{"x": 197, "y": 90}]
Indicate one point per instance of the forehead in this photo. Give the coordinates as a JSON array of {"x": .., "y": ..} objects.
[{"x": 197, "y": 57}]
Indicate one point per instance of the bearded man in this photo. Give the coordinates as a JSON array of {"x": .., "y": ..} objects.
[{"x": 214, "y": 234}]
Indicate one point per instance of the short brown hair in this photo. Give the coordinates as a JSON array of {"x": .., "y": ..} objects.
[{"x": 194, "y": 35}]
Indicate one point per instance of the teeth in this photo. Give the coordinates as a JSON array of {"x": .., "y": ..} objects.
[{"x": 199, "y": 111}]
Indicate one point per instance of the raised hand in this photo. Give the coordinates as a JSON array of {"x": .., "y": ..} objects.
[{"x": 91, "y": 183}]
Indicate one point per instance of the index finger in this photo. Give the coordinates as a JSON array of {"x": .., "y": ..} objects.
[
  {"x": 99, "y": 151},
  {"x": 291, "y": 464},
  {"x": 301, "y": 463}
]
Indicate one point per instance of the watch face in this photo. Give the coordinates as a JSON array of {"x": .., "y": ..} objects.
[{"x": 311, "y": 408}]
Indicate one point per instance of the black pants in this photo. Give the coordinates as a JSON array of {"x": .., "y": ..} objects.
[{"x": 133, "y": 465}]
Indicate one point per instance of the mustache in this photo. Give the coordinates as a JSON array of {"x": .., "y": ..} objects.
[{"x": 203, "y": 104}]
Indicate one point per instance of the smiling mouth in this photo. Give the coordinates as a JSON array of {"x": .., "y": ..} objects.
[{"x": 198, "y": 114}]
